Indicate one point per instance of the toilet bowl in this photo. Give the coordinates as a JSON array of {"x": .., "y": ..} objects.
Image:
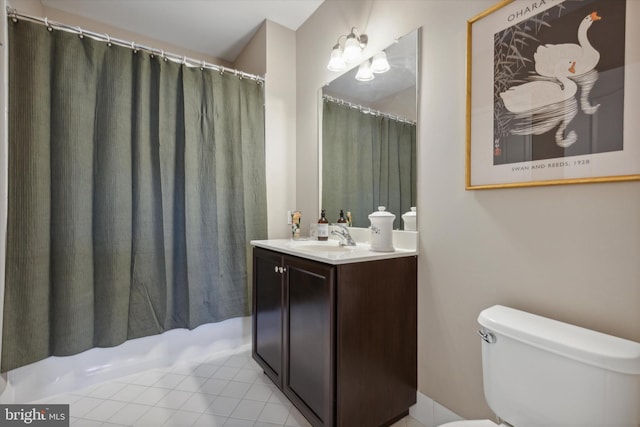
[{"x": 567, "y": 375}]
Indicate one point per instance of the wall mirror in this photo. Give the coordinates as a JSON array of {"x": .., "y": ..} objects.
[{"x": 368, "y": 138}]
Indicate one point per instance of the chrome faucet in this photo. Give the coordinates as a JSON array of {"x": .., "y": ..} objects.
[{"x": 343, "y": 234}]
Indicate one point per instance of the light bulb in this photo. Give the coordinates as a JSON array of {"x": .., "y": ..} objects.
[
  {"x": 336, "y": 62},
  {"x": 352, "y": 50},
  {"x": 379, "y": 64},
  {"x": 365, "y": 73}
]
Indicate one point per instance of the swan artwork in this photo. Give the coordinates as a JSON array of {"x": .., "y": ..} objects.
[
  {"x": 539, "y": 106},
  {"x": 536, "y": 94},
  {"x": 587, "y": 57}
]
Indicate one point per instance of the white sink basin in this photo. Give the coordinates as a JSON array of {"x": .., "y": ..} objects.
[
  {"x": 331, "y": 246},
  {"x": 330, "y": 251}
]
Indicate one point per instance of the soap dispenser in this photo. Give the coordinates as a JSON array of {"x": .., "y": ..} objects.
[
  {"x": 341, "y": 218},
  {"x": 323, "y": 227},
  {"x": 381, "y": 230}
]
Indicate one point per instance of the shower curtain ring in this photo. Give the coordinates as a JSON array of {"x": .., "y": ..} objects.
[
  {"x": 133, "y": 47},
  {"x": 108, "y": 40},
  {"x": 46, "y": 22},
  {"x": 202, "y": 66},
  {"x": 184, "y": 60},
  {"x": 80, "y": 33}
]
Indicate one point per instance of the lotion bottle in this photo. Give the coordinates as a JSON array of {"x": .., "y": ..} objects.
[
  {"x": 323, "y": 227},
  {"x": 341, "y": 218}
]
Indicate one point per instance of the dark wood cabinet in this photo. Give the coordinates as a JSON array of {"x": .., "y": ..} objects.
[
  {"x": 347, "y": 336},
  {"x": 308, "y": 343},
  {"x": 268, "y": 314}
]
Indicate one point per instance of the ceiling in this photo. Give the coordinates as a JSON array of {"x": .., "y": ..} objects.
[{"x": 220, "y": 28}]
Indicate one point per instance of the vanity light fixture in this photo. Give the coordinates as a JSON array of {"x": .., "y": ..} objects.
[
  {"x": 351, "y": 53},
  {"x": 365, "y": 72}
]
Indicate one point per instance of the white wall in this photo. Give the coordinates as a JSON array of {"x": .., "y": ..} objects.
[
  {"x": 253, "y": 58},
  {"x": 566, "y": 252},
  {"x": 280, "y": 127}
]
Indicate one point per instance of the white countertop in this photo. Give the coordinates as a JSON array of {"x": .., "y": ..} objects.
[{"x": 330, "y": 252}]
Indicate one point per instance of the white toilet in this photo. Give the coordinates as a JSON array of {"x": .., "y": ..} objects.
[{"x": 539, "y": 372}]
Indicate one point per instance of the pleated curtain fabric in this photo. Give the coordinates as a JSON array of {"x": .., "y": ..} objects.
[
  {"x": 367, "y": 161},
  {"x": 135, "y": 185}
]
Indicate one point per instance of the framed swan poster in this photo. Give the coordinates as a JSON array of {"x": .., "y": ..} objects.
[{"x": 553, "y": 93}]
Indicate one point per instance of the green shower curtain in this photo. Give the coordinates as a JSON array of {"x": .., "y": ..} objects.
[
  {"x": 367, "y": 161},
  {"x": 135, "y": 184}
]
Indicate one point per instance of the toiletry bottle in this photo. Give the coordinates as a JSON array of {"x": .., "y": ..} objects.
[
  {"x": 323, "y": 227},
  {"x": 341, "y": 218}
]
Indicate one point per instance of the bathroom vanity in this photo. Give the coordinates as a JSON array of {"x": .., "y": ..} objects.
[{"x": 335, "y": 329}]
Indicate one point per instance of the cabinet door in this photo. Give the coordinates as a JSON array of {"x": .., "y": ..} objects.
[
  {"x": 309, "y": 324},
  {"x": 268, "y": 280}
]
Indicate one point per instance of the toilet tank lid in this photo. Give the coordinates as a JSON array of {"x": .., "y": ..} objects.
[{"x": 585, "y": 345}]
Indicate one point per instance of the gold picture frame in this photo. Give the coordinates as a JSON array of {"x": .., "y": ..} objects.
[{"x": 553, "y": 93}]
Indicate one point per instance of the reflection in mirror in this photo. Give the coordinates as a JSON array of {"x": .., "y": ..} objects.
[{"x": 369, "y": 138}]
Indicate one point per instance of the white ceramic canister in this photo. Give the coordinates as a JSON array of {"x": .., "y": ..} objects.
[
  {"x": 409, "y": 219},
  {"x": 382, "y": 230}
]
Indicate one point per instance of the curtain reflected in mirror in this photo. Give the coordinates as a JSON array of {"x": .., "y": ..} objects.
[{"x": 369, "y": 160}]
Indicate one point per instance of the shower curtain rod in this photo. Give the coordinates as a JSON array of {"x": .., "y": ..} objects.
[
  {"x": 189, "y": 62},
  {"x": 367, "y": 110}
]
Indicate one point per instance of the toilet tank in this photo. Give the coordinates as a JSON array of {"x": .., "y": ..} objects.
[{"x": 539, "y": 372}]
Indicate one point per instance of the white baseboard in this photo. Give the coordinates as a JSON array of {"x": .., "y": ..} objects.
[{"x": 430, "y": 413}]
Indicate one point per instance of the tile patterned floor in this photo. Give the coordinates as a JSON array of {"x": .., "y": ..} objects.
[{"x": 227, "y": 391}]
